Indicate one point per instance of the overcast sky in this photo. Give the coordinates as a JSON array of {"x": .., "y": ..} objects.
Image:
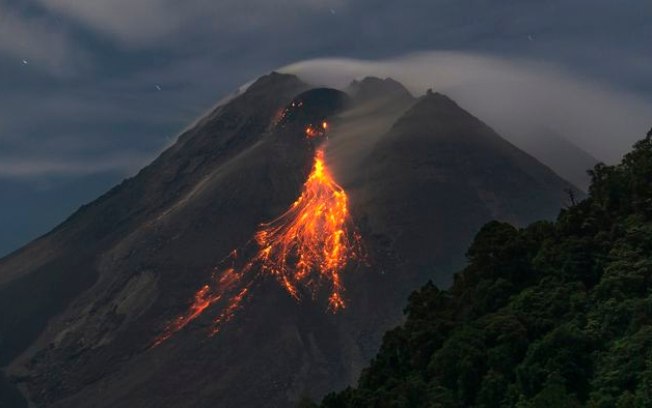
[{"x": 91, "y": 90}]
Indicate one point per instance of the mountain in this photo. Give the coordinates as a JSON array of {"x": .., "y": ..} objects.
[
  {"x": 553, "y": 315},
  {"x": 119, "y": 305},
  {"x": 439, "y": 165}
]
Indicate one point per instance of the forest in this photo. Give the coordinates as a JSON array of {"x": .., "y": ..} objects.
[{"x": 557, "y": 314}]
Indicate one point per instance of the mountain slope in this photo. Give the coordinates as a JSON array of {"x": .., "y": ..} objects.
[
  {"x": 438, "y": 175},
  {"x": 60, "y": 265},
  {"x": 555, "y": 314},
  {"x": 88, "y": 299},
  {"x": 569, "y": 161}
]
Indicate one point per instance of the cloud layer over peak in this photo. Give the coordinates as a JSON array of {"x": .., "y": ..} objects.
[{"x": 518, "y": 97}]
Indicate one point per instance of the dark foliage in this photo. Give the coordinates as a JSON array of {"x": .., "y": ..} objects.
[{"x": 553, "y": 315}]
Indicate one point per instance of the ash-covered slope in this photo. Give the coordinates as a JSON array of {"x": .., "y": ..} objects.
[
  {"x": 436, "y": 176},
  {"x": 86, "y": 301},
  {"x": 40, "y": 279},
  {"x": 144, "y": 245}
]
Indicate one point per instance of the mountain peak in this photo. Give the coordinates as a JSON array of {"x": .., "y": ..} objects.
[
  {"x": 274, "y": 80},
  {"x": 434, "y": 106},
  {"x": 371, "y": 87},
  {"x": 436, "y": 97}
]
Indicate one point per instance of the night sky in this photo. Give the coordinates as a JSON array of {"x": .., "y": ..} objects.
[{"x": 92, "y": 90}]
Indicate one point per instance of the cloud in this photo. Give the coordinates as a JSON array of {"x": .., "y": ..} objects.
[
  {"x": 515, "y": 96},
  {"x": 37, "y": 168},
  {"x": 138, "y": 23},
  {"x": 38, "y": 42},
  {"x": 92, "y": 126},
  {"x": 75, "y": 132}
]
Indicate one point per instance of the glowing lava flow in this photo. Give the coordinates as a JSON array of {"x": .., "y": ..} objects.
[
  {"x": 313, "y": 131},
  {"x": 313, "y": 235},
  {"x": 307, "y": 247}
]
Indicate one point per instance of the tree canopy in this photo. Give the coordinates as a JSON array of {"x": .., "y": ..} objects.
[{"x": 557, "y": 314}]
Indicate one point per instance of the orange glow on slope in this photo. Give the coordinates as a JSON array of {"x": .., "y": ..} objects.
[
  {"x": 306, "y": 248},
  {"x": 203, "y": 299},
  {"x": 314, "y": 131},
  {"x": 310, "y": 132}
]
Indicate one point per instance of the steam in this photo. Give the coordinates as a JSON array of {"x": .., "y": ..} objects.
[
  {"x": 518, "y": 98},
  {"x": 355, "y": 135}
]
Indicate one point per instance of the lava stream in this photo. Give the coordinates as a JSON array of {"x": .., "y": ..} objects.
[{"x": 305, "y": 248}]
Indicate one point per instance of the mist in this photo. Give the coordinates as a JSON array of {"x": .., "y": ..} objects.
[
  {"x": 520, "y": 99},
  {"x": 354, "y": 135}
]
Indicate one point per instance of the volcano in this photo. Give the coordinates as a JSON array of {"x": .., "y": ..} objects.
[{"x": 260, "y": 258}]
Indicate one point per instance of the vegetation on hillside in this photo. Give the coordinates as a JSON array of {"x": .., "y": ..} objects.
[{"x": 558, "y": 314}]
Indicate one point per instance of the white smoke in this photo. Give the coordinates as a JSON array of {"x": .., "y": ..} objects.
[{"x": 514, "y": 96}]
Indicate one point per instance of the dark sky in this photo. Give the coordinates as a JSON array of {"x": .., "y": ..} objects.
[{"x": 92, "y": 90}]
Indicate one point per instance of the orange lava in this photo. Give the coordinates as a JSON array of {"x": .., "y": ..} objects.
[
  {"x": 314, "y": 131},
  {"x": 314, "y": 235},
  {"x": 203, "y": 299},
  {"x": 311, "y": 132},
  {"x": 304, "y": 249}
]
